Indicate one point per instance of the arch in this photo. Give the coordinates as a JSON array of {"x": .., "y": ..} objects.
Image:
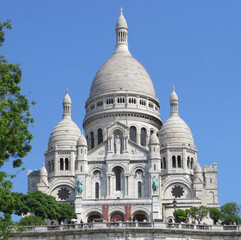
[
  {"x": 174, "y": 165},
  {"x": 133, "y": 133},
  {"x": 176, "y": 182},
  {"x": 212, "y": 196},
  {"x": 143, "y": 137},
  {"x": 137, "y": 167},
  {"x": 92, "y": 140},
  {"x": 100, "y": 135},
  {"x": 117, "y": 216},
  {"x": 61, "y": 167},
  {"x": 93, "y": 215},
  {"x": 140, "y": 216},
  {"x": 49, "y": 166},
  {"x": 179, "y": 161},
  {"x": 95, "y": 167}
]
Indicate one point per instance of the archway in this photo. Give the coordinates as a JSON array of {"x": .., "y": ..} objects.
[
  {"x": 117, "y": 217},
  {"x": 93, "y": 216},
  {"x": 140, "y": 216}
]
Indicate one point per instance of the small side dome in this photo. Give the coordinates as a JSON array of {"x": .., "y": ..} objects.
[
  {"x": 67, "y": 99},
  {"x": 197, "y": 168},
  {"x": 82, "y": 141},
  {"x": 43, "y": 171},
  {"x": 121, "y": 22},
  {"x": 154, "y": 139}
]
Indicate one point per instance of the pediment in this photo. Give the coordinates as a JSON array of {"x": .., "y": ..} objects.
[
  {"x": 117, "y": 126},
  {"x": 137, "y": 150},
  {"x": 99, "y": 152}
]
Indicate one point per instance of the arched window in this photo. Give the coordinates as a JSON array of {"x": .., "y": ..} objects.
[
  {"x": 66, "y": 164},
  {"x": 49, "y": 165},
  {"x": 139, "y": 190},
  {"x": 118, "y": 179},
  {"x": 97, "y": 190},
  {"x": 164, "y": 163},
  {"x": 192, "y": 162},
  {"x": 188, "y": 162},
  {"x": 151, "y": 132},
  {"x": 174, "y": 162},
  {"x": 52, "y": 165},
  {"x": 100, "y": 136},
  {"x": 92, "y": 140},
  {"x": 61, "y": 164},
  {"x": 143, "y": 137},
  {"x": 133, "y": 134},
  {"x": 179, "y": 162}
]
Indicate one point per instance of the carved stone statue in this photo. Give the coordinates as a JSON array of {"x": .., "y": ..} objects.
[
  {"x": 117, "y": 144},
  {"x": 129, "y": 236},
  {"x": 155, "y": 184},
  {"x": 79, "y": 187}
]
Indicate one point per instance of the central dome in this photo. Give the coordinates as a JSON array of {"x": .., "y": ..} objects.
[{"x": 122, "y": 72}]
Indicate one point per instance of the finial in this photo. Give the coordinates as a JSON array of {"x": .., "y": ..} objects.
[
  {"x": 67, "y": 91},
  {"x": 173, "y": 88},
  {"x": 43, "y": 165},
  {"x": 121, "y": 9}
]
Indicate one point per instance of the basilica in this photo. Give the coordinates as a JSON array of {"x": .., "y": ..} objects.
[{"x": 128, "y": 165}]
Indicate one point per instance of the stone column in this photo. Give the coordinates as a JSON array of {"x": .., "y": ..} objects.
[
  {"x": 138, "y": 137},
  {"x": 184, "y": 159}
]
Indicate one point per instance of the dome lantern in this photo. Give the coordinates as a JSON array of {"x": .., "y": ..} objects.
[
  {"x": 121, "y": 33},
  {"x": 67, "y": 105},
  {"x": 174, "y": 102}
]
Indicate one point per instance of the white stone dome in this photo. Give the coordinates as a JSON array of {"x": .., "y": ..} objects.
[
  {"x": 66, "y": 133},
  {"x": 121, "y": 22},
  {"x": 82, "y": 141},
  {"x": 122, "y": 72},
  {"x": 43, "y": 171},
  {"x": 175, "y": 132},
  {"x": 154, "y": 139}
]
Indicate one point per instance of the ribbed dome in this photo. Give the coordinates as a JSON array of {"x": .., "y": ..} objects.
[
  {"x": 66, "y": 133},
  {"x": 43, "y": 171},
  {"x": 175, "y": 132},
  {"x": 121, "y": 22},
  {"x": 154, "y": 139},
  {"x": 122, "y": 72},
  {"x": 82, "y": 141}
]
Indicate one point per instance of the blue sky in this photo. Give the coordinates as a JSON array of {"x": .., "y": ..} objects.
[{"x": 194, "y": 45}]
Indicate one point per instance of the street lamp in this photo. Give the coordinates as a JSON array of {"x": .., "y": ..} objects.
[{"x": 174, "y": 204}]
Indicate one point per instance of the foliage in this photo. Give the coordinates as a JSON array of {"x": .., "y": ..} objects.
[
  {"x": 199, "y": 213},
  {"x": 66, "y": 211},
  {"x": 231, "y": 213},
  {"x": 181, "y": 215},
  {"x": 215, "y": 214},
  {"x": 15, "y": 119},
  {"x": 31, "y": 221},
  {"x": 40, "y": 204}
]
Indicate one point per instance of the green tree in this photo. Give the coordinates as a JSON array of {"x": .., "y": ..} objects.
[
  {"x": 199, "y": 213},
  {"x": 15, "y": 119},
  {"x": 181, "y": 215},
  {"x": 40, "y": 204},
  {"x": 66, "y": 211},
  {"x": 231, "y": 213},
  {"x": 31, "y": 221},
  {"x": 215, "y": 214}
]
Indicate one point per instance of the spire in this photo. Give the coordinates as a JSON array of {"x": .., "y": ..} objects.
[
  {"x": 174, "y": 102},
  {"x": 67, "y": 105},
  {"x": 121, "y": 33}
]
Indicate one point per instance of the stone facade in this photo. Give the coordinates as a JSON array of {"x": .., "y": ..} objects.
[{"x": 130, "y": 165}]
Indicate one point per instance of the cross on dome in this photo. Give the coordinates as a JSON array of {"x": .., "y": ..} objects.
[{"x": 121, "y": 9}]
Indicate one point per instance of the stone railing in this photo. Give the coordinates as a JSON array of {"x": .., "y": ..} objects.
[{"x": 134, "y": 225}]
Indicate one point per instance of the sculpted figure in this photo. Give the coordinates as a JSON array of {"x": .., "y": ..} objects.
[
  {"x": 155, "y": 184},
  {"x": 79, "y": 187},
  {"x": 117, "y": 144}
]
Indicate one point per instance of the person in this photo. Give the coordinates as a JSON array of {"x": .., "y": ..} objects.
[{"x": 81, "y": 223}]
